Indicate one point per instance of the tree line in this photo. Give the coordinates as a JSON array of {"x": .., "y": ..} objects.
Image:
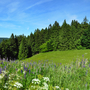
[{"x": 55, "y": 37}]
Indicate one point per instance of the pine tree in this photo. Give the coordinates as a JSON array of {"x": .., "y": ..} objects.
[
  {"x": 85, "y": 41},
  {"x": 23, "y": 50}
]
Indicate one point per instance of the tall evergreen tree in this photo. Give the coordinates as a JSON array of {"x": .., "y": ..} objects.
[
  {"x": 65, "y": 36},
  {"x": 85, "y": 41},
  {"x": 32, "y": 43},
  {"x": 23, "y": 50},
  {"x": 84, "y": 24},
  {"x": 55, "y": 35},
  {"x": 13, "y": 46},
  {"x": 37, "y": 40}
]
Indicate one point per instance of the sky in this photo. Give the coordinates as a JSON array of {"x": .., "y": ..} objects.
[{"x": 24, "y": 16}]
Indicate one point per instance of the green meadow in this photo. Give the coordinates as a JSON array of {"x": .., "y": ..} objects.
[
  {"x": 64, "y": 57},
  {"x": 55, "y": 70}
]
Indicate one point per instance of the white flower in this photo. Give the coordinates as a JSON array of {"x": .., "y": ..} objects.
[
  {"x": 21, "y": 67},
  {"x": 57, "y": 87},
  {"x": 18, "y": 70},
  {"x": 67, "y": 89},
  {"x": 36, "y": 81},
  {"x": 18, "y": 85},
  {"x": 46, "y": 78},
  {"x": 1, "y": 76},
  {"x": 4, "y": 72},
  {"x": 45, "y": 84},
  {"x": 5, "y": 86},
  {"x": 23, "y": 72},
  {"x": 33, "y": 87}
]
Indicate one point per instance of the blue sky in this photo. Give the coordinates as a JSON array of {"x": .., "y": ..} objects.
[{"x": 24, "y": 16}]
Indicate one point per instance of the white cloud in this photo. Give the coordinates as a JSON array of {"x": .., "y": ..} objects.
[{"x": 38, "y": 3}]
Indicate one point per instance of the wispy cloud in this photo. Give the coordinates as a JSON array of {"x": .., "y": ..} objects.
[
  {"x": 12, "y": 7},
  {"x": 38, "y": 3}
]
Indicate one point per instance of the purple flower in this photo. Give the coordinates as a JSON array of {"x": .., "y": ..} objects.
[
  {"x": 60, "y": 63},
  {"x": 25, "y": 68},
  {"x": 89, "y": 65},
  {"x": 29, "y": 71},
  {"x": 21, "y": 71},
  {"x": 65, "y": 67},
  {"x": 82, "y": 55},
  {"x": 2, "y": 63},
  {"x": 0, "y": 70},
  {"x": 5, "y": 66},
  {"x": 55, "y": 66},
  {"x": 84, "y": 66},
  {"x": 16, "y": 69}
]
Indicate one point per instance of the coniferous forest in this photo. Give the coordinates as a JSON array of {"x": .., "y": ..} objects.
[{"x": 55, "y": 37}]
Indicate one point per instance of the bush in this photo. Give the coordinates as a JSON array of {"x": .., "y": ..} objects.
[{"x": 81, "y": 47}]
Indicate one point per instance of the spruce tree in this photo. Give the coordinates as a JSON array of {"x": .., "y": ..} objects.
[
  {"x": 23, "y": 50},
  {"x": 85, "y": 41}
]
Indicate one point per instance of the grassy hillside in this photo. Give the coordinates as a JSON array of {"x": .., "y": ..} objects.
[{"x": 64, "y": 57}]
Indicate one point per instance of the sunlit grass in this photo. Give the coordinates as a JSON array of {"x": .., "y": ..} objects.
[{"x": 64, "y": 57}]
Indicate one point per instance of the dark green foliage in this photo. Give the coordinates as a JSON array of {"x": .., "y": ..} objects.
[
  {"x": 5, "y": 52},
  {"x": 31, "y": 43},
  {"x": 23, "y": 50},
  {"x": 12, "y": 47},
  {"x": 37, "y": 40},
  {"x": 85, "y": 41}
]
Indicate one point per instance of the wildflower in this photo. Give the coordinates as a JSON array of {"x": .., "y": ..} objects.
[
  {"x": 21, "y": 71},
  {"x": 45, "y": 84},
  {"x": 21, "y": 67},
  {"x": 5, "y": 85},
  {"x": 46, "y": 78},
  {"x": 36, "y": 81},
  {"x": 29, "y": 71},
  {"x": 89, "y": 65},
  {"x": 67, "y": 89},
  {"x": 0, "y": 70},
  {"x": 57, "y": 87},
  {"x": 33, "y": 87},
  {"x": 18, "y": 70},
  {"x": 18, "y": 85},
  {"x": 4, "y": 72},
  {"x": 82, "y": 55},
  {"x": 1, "y": 76}
]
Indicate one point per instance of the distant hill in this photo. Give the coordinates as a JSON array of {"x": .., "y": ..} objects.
[{"x": 1, "y": 39}]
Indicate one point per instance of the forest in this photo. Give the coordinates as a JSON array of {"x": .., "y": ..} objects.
[
  {"x": 1, "y": 39},
  {"x": 52, "y": 38}
]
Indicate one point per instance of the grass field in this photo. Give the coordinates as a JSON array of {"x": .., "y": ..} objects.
[
  {"x": 64, "y": 57},
  {"x": 56, "y": 70}
]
